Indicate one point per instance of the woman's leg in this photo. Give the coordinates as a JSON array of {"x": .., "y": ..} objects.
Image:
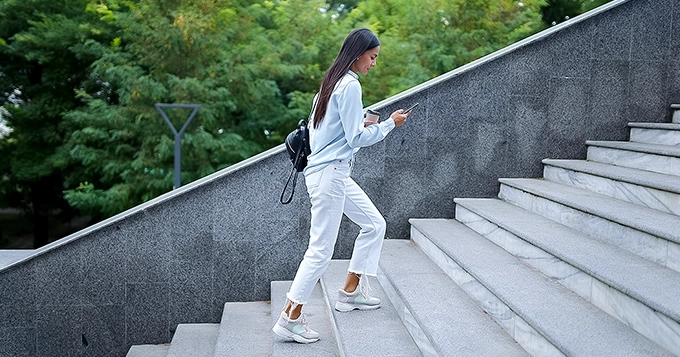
[
  {"x": 327, "y": 194},
  {"x": 351, "y": 282},
  {"x": 361, "y": 210},
  {"x": 326, "y": 190},
  {"x": 366, "y": 253}
]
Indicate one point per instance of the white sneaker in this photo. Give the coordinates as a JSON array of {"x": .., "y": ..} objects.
[
  {"x": 298, "y": 330},
  {"x": 358, "y": 300}
]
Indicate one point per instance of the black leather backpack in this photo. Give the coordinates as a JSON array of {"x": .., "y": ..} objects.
[{"x": 297, "y": 145}]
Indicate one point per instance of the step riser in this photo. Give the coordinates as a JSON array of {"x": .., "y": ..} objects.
[
  {"x": 525, "y": 335},
  {"x": 407, "y": 318},
  {"x": 148, "y": 351},
  {"x": 245, "y": 316},
  {"x": 645, "y": 196},
  {"x": 655, "y": 249},
  {"x": 355, "y": 329},
  {"x": 197, "y": 340},
  {"x": 441, "y": 316},
  {"x": 574, "y": 279},
  {"x": 637, "y": 160},
  {"x": 656, "y": 327},
  {"x": 676, "y": 116},
  {"x": 655, "y": 136}
]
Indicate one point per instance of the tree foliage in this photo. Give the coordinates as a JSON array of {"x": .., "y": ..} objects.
[
  {"x": 79, "y": 80},
  {"x": 172, "y": 52},
  {"x": 42, "y": 62},
  {"x": 557, "y": 11}
]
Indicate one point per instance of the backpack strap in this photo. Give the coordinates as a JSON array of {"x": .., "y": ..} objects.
[
  {"x": 298, "y": 156},
  {"x": 294, "y": 175}
]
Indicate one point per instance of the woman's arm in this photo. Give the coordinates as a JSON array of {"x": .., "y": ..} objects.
[{"x": 350, "y": 107}]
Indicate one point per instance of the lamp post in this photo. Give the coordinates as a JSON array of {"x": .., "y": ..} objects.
[{"x": 178, "y": 135}]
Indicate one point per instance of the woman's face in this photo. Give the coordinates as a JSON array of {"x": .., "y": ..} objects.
[{"x": 366, "y": 61}]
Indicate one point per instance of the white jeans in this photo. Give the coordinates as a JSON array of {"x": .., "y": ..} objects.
[{"x": 333, "y": 192}]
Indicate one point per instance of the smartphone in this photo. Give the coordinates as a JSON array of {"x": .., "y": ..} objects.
[{"x": 411, "y": 108}]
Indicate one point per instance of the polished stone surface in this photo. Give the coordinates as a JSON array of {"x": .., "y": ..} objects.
[
  {"x": 652, "y": 324},
  {"x": 655, "y": 136},
  {"x": 643, "y": 244},
  {"x": 437, "y": 311},
  {"x": 417, "y": 334},
  {"x": 514, "y": 325},
  {"x": 366, "y": 333},
  {"x": 254, "y": 317},
  {"x": 11, "y": 256},
  {"x": 544, "y": 305},
  {"x": 659, "y": 199},
  {"x": 635, "y": 159}
]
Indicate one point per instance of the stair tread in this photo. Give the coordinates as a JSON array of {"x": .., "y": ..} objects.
[
  {"x": 196, "y": 340},
  {"x": 245, "y": 329},
  {"x": 573, "y": 325},
  {"x": 655, "y": 286},
  {"x": 656, "y": 149},
  {"x": 318, "y": 318},
  {"x": 367, "y": 333},
  {"x": 639, "y": 177},
  {"x": 655, "y": 222},
  {"x": 11, "y": 256},
  {"x": 663, "y": 126},
  {"x": 453, "y": 322},
  {"x": 148, "y": 351}
]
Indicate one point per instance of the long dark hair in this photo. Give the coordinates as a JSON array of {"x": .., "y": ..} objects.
[{"x": 356, "y": 43}]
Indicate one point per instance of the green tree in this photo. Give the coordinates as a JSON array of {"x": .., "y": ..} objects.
[
  {"x": 419, "y": 45},
  {"x": 42, "y": 62},
  {"x": 556, "y": 11},
  {"x": 202, "y": 52}
]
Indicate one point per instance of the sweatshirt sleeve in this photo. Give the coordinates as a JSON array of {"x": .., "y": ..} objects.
[{"x": 350, "y": 107}]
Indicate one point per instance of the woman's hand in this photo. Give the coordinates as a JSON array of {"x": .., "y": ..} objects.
[{"x": 399, "y": 117}]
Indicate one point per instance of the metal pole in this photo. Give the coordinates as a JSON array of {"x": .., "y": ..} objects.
[{"x": 178, "y": 135}]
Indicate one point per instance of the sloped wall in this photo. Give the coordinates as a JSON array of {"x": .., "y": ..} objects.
[{"x": 177, "y": 259}]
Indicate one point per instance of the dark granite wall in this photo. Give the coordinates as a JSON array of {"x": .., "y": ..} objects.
[{"x": 179, "y": 258}]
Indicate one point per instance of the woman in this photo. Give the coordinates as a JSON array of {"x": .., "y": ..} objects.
[{"x": 337, "y": 132}]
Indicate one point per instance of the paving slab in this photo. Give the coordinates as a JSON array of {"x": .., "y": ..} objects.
[
  {"x": 378, "y": 332},
  {"x": 245, "y": 330}
]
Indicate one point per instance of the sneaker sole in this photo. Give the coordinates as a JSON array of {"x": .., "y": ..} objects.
[
  {"x": 345, "y": 307},
  {"x": 288, "y": 334}
]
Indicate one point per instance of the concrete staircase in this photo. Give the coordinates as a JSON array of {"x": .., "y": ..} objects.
[{"x": 582, "y": 262}]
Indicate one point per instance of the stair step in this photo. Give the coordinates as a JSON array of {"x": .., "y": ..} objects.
[
  {"x": 646, "y": 232},
  {"x": 196, "y": 340},
  {"x": 658, "y": 158},
  {"x": 11, "y": 256},
  {"x": 245, "y": 330},
  {"x": 148, "y": 351},
  {"x": 655, "y": 133},
  {"x": 544, "y": 317},
  {"x": 646, "y": 188},
  {"x": 445, "y": 319},
  {"x": 318, "y": 317},
  {"x": 636, "y": 291},
  {"x": 676, "y": 112},
  {"x": 366, "y": 333}
]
